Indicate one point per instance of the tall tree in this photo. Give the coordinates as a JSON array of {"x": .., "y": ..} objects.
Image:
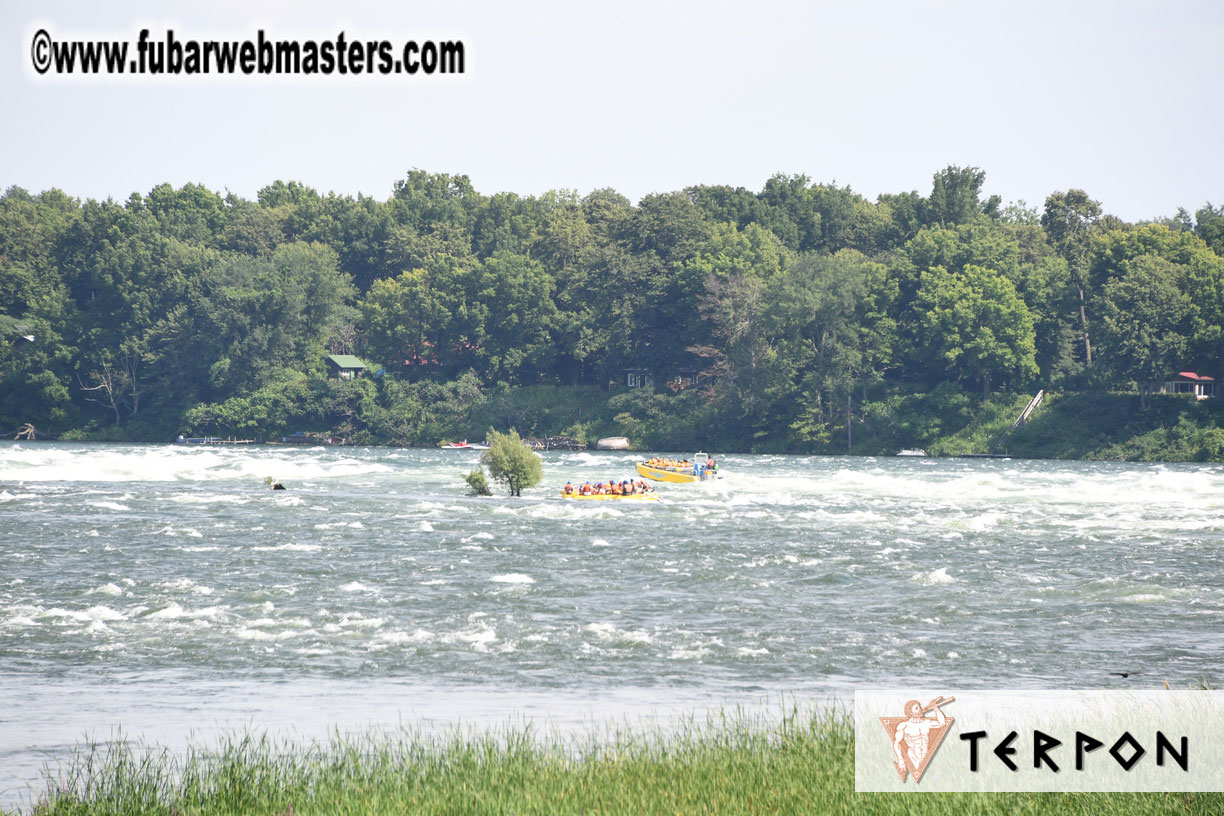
[
  {"x": 956, "y": 197},
  {"x": 1209, "y": 225},
  {"x": 742, "y": 359},
  {"x": 790, "y": 212},
  {"x": 511, "y": 462},
  {"x": 721, "y": 204},
  {"x": 424, "y": 200},
  {"x": 1145, "y": 323},
  {"x": 421, "y": 320},
  {"x": 260, "y": 316},
  {"x": 193, "y": 213},
  {"x": 1196, "y": 271},
  {"x": 1070, "y": 220},
  {"x": 518, "y": 295},
  {"x": 975, "y": 324},
  {"x": 830, "y": 317}
]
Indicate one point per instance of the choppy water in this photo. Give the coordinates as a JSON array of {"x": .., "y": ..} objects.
[{"x": 164, "y": 588}]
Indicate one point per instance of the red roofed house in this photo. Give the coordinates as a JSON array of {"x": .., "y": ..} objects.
[{"x": 1189, "y": 383}]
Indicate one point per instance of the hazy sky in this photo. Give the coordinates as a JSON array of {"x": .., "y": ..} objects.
[{"x": 1122, "y": 99}]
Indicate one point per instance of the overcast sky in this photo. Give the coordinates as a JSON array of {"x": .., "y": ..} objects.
[{"x": 1122, "y": 99}]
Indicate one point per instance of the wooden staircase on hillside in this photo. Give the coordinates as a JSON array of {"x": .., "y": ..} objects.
[
  {"x": 1028, "y": 411},
  {"x": 1020, "y": 420}
]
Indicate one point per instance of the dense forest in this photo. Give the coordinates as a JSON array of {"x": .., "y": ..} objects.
[{"x": 799, "y": 318}]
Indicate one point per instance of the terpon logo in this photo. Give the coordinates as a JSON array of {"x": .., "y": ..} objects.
[
  {"x": 1155, "y": 740},
  {"x": 916, "y": 737}
]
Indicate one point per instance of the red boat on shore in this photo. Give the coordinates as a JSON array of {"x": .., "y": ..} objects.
[{"x": 464, "y": 445}]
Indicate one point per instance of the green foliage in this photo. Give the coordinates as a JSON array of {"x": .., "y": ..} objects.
[
  {"x": 743, "y": 360},
  {"x": 1209, "y": 225},
  {"x": 975, "y": 325},
  {"x": 955, "y": 195},
  {"x": 543, "y": 410},
  {"x": 1070, "y": 220},
  {"x": 347, "y": 404},
  {"x": 446, "y": 408},
  {"x": 1144, "y": 323},
  {"x": 818, "y": 318},
  {"x": 954, "y": 248},
  {"x": 515, "y": 343},
  {"x": 289, "y": 403},
  {"x": 915, "y": 420},
  {"x": 834, "y": 339},
  {"x": 729, "y": 252},
  {"x": 1116, "y": 426},
  {"x": 511, "y": 462},
  {"x": 987, "y": 428},
  {"x": 476, "y": 480},
  {"x": 1144, "y": 271}
]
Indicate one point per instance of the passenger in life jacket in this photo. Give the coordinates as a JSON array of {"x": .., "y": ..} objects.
[
  {"x": 568, "y": 489},
  {"x": 585, "y": 490}
]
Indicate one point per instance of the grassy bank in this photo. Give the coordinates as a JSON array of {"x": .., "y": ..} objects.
[
  {"x": 1116, "y": 426},
  {"x": 1098, "y": 425},
  {"x": 803, "y": 764}
]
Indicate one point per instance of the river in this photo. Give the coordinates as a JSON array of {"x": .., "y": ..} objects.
[{"x": 164, "y": 592}]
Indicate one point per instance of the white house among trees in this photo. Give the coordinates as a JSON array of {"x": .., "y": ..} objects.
[{"x": 1187, "y": 382}]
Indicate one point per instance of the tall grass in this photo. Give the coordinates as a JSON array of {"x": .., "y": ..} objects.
[{"x": 725, "y": 764}]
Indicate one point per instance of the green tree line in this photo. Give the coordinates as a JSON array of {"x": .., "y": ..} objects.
[{"x": 804, "y": 310}]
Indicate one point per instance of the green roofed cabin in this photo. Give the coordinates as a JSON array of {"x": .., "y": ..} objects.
[{"x": 344, "y": 367}]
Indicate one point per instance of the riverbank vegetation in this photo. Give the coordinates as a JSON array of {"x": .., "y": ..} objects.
[
  {"x": 800, "y": 318},
  {"x": 728, "y": 764}
]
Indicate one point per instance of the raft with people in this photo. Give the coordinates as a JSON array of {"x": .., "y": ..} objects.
[
  {"x": 702, "y": 468},
  {"x": 610, "y": 491},
  {"x": 611, "y": 497}
]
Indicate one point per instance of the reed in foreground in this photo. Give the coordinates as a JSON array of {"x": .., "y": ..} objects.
[{"x": 726, "y": 764}]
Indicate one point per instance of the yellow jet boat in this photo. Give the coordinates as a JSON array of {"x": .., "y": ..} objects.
[
  {"x": 664, "y": 474},
  {"x": 695, "y": 472}
]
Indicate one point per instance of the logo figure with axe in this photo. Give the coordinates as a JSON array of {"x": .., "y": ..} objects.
[{"x": 916, "y": 736}]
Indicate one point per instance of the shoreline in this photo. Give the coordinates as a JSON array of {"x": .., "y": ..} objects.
[
  {"x": 1070, "y": 426},
  {"x": 727, "y": 762},
  {"x": 722, "y": 452}
]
